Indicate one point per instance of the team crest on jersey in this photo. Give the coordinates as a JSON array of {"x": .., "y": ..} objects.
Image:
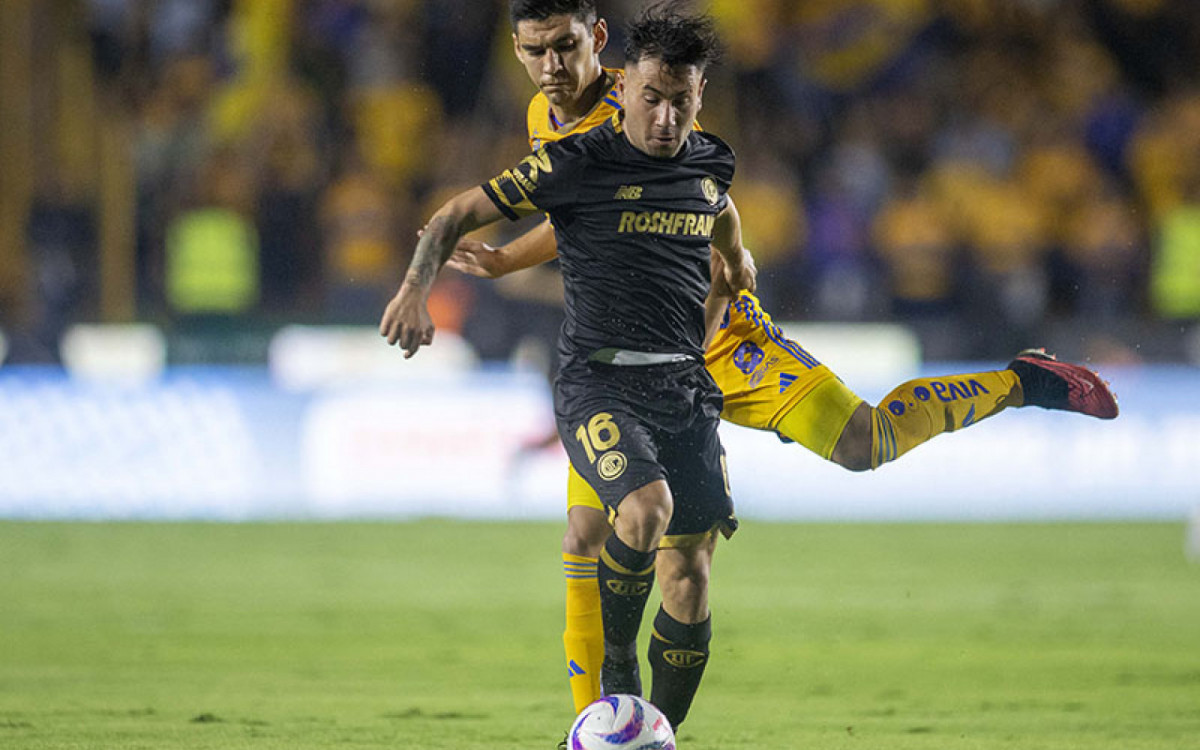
[
  {"x": 611, "y": 465},
  {"x": 709, "y": 186},
  {"x": 747, "y": 356}
]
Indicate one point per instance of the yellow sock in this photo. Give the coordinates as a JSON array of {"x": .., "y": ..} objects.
[
  {"x": 583, "y": 639},
  {"x": 920, "y": 409}
]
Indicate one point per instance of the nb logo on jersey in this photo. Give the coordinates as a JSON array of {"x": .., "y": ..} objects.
[
  {"x": 628, "y": 193},
  {"x": 684, "y": 659},
  {"x": 628, "y": 588}
]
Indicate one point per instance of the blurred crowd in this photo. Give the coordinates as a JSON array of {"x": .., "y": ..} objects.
[{"x": 978, "y": 170}]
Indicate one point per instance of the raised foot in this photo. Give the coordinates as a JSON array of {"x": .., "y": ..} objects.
[{"x": 1051, "y": 384}]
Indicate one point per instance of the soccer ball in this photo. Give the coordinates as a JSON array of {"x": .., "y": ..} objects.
[{"x": 621, "y": 722}]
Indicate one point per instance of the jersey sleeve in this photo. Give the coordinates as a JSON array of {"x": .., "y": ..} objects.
[
  {"x": 722, "y": 164},
  {"x": 542, "y": 181}
]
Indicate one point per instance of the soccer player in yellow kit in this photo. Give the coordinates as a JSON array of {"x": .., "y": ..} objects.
[{"x": 768, "y": 381}]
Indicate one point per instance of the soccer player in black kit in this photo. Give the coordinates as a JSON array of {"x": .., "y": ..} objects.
[{"x": 636, "y": 205}]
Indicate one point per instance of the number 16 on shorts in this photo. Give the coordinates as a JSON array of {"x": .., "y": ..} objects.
[{"x": 598, "y": 437}]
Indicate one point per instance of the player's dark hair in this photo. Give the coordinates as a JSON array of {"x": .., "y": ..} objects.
[
  {"x": 540, "y": 10},
  {"x": 662, "y": 32}
]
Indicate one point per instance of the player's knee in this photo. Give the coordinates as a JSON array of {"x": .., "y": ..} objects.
[
  {"x": 853, "y": 449},
  {"x": 854, "y": 455},
  {"x": 648, "y": 524},
  {"x": 643, "y": 515},
  {"x": 585, "y": 539}
]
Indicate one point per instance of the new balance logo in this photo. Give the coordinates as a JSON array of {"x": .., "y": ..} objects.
[
  {"x": 785, "y": 381},
  {"x": 628, "y": 193},
  {"x": 574, "y": 670}
]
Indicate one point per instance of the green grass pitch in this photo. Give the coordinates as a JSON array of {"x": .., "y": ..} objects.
[{"x": 438, "y": 634}]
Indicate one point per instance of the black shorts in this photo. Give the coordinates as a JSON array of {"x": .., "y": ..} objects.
[{"x": 626, "y": 426}]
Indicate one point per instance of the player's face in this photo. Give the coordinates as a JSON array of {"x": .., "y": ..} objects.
[
  {"x": 561, "y": 55},
  {"x": 661, "y": 104}
]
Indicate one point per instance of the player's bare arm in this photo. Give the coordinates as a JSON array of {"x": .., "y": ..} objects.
[
  {"x": 740, "y": 272},
  {"x": 718, "y": 298},
  {"x": 531, "y": 249},
  {"x": 406, "y": 320}
]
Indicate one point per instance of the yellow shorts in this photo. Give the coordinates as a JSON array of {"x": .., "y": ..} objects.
[
  {"x": 765, "y": 376},
  {"x": 769, "y": 382}
]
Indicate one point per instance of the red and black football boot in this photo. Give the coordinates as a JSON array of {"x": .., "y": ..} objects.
[{"x": 1051, "y": 384}]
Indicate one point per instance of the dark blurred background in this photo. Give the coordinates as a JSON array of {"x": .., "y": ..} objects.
[{"x": 991, "y": 174}]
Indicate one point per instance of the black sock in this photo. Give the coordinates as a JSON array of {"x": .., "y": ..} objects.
[
  {"x": 678, "y": 654},
  {"x": 626, "y": 576}
]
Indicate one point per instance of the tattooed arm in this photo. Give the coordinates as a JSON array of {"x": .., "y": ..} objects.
[{"x": 406, "y": 320}]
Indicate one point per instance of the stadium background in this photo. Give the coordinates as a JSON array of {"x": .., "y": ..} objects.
[{"x": 206, "y": 203}]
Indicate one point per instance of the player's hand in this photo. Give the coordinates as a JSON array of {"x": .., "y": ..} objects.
[
  {"x": 406, "y": 321},
  {"x": 477, "y": 258},
  {"x": 745, "y": 277}
]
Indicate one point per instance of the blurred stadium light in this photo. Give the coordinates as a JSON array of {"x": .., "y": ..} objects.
[
  {"x": 131, "y": 353},
  {"x": 862, "y": 352},
  {"x": 304, "y": 358}
]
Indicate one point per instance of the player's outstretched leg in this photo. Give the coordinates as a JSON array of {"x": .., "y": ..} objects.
[
  {"x": 1051, "y": 384},
  {"x": 838, "y": 425},
  {"x": 919, "y": 410}
]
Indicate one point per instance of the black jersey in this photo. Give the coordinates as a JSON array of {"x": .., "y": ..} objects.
[{"x": 633, "y": 235}]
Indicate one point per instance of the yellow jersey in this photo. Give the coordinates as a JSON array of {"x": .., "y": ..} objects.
[
  {"x": 760, "y": 371},
  {"x": 543, "y": 128}
]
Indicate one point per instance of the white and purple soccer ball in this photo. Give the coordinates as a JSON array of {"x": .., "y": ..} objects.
[{"x": 621, "y": 722}]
